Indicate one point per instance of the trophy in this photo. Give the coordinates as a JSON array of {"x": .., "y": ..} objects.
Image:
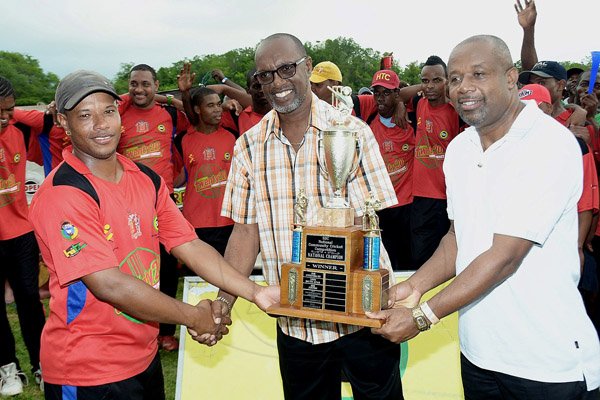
[{"x": 334, "y": 273}]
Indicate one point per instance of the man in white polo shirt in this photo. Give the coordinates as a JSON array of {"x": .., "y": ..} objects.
[{"x": 513, "y": 181}]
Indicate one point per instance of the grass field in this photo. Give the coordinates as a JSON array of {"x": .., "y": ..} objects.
[{"x": 32, "y": 392}]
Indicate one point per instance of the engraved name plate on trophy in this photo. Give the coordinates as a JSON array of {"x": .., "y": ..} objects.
[{"x": 334, "y": 273}]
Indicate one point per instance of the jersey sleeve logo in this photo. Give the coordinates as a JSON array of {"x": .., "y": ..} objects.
[
  {"x": 68, "y": 230},
  {"x": 74, "y": 249}
]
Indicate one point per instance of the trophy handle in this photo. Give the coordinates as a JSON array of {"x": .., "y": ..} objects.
[
  {"x": 319, "y": 159},
  {"x": 359, "y": 148}
]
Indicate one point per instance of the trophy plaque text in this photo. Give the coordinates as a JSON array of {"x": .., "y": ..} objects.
[{"x": 334, "y": 273}]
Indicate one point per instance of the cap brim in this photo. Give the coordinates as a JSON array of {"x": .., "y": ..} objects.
[
  {"x": 317, "y": 78},
  {"x": 525, "y": 76},
  {"x": 84, "y": 92},
  {"x": 385, "y": 85}
]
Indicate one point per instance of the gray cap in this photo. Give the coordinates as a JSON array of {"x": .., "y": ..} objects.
[{"x": 78, "y": 85}]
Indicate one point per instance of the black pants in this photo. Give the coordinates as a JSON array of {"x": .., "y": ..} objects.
[
  {"x": 428, "y": 223},
  {"x": 371, "y": 365},
  {"x": 395, "y": 235},
  {"x": 481, "y": 384},
  {"x": 148, "y": 385},
  {"x": 20, "y": 265},
  {"x": 169, "y": 280}
]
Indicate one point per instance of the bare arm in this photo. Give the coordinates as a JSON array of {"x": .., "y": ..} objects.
[
  {"x": 526, "y": 16},
  {"x": 185, "y": 81},
  {"x": 134, "y": 297},
  {"x": 206, "y": 262},
  {"x": 407, "y": 93},
  {"x": 240, "y": 95},
  {"x": 242, "y": 250},
  {"x": 485, "y": 272},
  {"x": 218, "y": 76}
]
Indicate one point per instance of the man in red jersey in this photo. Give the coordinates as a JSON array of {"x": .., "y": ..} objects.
[
  {"x": 18, "y": 250},
  {"x": 99, "y": 218},
  {"x": 397, "y": 147},
  {"x": 148, "y": 132},
  {"x": 49, "y": 136},
  {"x": 206, "y": 149},
  {"x": 436, "y": 124}
]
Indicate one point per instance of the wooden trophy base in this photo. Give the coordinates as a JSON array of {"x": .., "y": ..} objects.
[{"x": 329, "y": 284}]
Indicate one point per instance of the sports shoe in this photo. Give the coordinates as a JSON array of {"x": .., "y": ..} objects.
[
  {"x": 38, "y": 378},
  {"x": 10, "y": 380},
  {"x": 168, "y": 343}
]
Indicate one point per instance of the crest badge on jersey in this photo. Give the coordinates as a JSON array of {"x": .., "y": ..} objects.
[
  {"x": 388, "y": 146},
  {"x": 443, "y": 135},
  {"x": 155, "y": 223},
  {"x": 405, "y": 147},
  {"x": 161, "y": 128},
  {"x": 227, "y": 156},
  {"x": 142, "y": 126},
  {"x": 209, "y": 154},
  {"x": 68, "y": 230},
  {"x": 428, "y": 126},
  {"x": 17, "y": 157},
  {"x": 133, "y": 221}
]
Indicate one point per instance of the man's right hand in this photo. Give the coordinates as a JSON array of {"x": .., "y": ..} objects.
[
  {"x": 221, "y": 316},
  {"x": 403, "y": 294},
  {"x": 526, "y": 14},
  {"x": 217, "y": 75},
  {"x": 202, "y": 321},
  {"x": 185, "y": 79}
]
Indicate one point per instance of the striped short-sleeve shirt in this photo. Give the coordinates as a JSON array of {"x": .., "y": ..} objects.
[{"x": 265, "y": 177}]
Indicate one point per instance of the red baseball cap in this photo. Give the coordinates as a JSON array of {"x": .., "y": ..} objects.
[
  {"x": 386, "y": 78},
  {"x": 536, "y": 92}
]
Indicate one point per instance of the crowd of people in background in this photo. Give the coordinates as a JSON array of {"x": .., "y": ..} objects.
[{"x": 197, "y": 139}]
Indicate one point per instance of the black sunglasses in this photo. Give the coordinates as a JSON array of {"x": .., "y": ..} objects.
[{"x": 286, "y": 71}]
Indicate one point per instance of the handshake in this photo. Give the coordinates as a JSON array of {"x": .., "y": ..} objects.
[{"x": 211, "y": 318}]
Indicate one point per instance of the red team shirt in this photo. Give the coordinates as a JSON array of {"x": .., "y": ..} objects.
[
  {"x": 13, "y": 202},
  {"x": 247, "y": 119},
  {"x": 51, "y": 146},
  {"x": 436, "y": 127},
  {"x": 85, "y": 341},
  {"x": 147, "y": 137},
  {"x": 207, "y": 159},
  {"x": 397, "y": 147}
]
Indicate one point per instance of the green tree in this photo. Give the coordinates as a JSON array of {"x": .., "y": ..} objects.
[
  {"x": 411, "y": 73},
  {"x": 121, "y": 79},
  {"x": 357, "y": 64},
  {"x": 30, "y": 82}
]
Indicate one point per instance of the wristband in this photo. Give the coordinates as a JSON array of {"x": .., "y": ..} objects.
[
  {"x": 169, "y": 99},
  {"x": 429, "y": 313},
  {"x": 224, "y": 79},
  {"x": 226, "y": 302}
]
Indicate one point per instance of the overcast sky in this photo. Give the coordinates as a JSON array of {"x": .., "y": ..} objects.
[{"x": 65, "y": 35}]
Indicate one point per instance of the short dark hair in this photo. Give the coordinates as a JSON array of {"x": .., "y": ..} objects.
[
  {"x": 144, "y": 67},
  {"x": 293, "y": 39},
  {"x": 435, "y": 60},
  {"x": 199, "y": 93},
  {"x": 6, "y": 88}
]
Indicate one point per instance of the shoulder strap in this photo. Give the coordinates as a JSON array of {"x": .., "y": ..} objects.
[
  {"x": 154, "y": 177},
  {"x": 356, "y": 106},
  {"x": 48, "y": 124},
  {"x": 26, "y": 130},
  {"x": 67, "y": 176},
  {"x": 371, "y": 118},
  {"x": 412, "y": 115},
  {"x": 583, "y": 146}
]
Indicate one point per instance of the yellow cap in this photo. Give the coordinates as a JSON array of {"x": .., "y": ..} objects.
[{"x": 325, "y": 70}]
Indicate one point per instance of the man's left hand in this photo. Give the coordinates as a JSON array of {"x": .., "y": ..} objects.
[{"x": 398, "y": 324}]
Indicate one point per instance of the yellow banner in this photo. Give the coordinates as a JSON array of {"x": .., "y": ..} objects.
[{"x": 244, "y": 365}]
